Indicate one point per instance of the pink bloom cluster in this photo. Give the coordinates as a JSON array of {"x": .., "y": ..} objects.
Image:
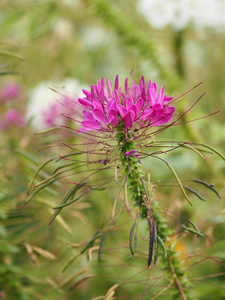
[
  {"x": 10, "y": 116},
  {"x": 131, "y": 153},
  {"x": 64, "y": 106},
  {"x": 139, "y": 104},
  {"x": 9, "y": 92}
]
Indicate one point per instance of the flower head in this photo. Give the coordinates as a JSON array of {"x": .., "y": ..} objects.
[
  {"x": 14, "y": 117},
  {"x": 11, "y": 91},
  {"x": 138, "y": 105}
]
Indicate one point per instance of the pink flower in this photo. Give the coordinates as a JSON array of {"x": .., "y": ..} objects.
[
  {"x": 131, "y": 153},
  {"x": 64, "y": 106},
  {"x": 138, "y": 105},
  {"x": 10, "y": 91},
  {"x": 13, "y": 117}
]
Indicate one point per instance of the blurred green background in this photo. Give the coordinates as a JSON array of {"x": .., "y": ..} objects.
[{"x": 50, "y": 41}]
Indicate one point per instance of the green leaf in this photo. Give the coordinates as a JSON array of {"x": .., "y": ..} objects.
[
  {"x": 179, "y": 182},
  {"x": 70, "y": 262},
  {"x": 198, "y": 233},
  {"x": 7, "y": 72},
  {"x": 36, "y": 174},
  {"x": 101, "y": 245},
  {"x": 151, "y": 242},
  {"x": 91, "y": 242},
  {"x": 155, "y": 245},
  {"x": 208, "y": 185},
  {"x": 39, "y": 189},
  {"x": 68, "y": 196},
  {"x": 195, "y": 193},
  {"x": 68, "y": 203},
  {"x": 11, "y": 54},
  {"x": 28, "y": 156},
  {"x": 214, "y": 150},
  {"x": 163, "y": 246},
  {"x": 132, "y": 238}
]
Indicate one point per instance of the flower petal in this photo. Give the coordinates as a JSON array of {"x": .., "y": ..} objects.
[
  {"x": 99, "y": 115},
  {"x": 139, "y": 105},
  {"x": 121, "y": 109},
  {"x": 88, "y": 116},
  {"x": 85, "y": 102},
  {"x": 128, "y": 119},
  {"x": 129, "y": 103},
  {"x": 91, "y": 125}
]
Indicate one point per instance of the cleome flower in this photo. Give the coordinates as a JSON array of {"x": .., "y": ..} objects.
[{"x": 139, "y": 105}]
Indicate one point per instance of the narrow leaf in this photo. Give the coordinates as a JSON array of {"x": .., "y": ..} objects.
[
  {"x": 126, "y": 196},
  {"x": 214, "y": 150},
  {"x": 188, "y": 146},
  {"x": 11, "y": 54},
  {"x": 155, "y": 245},
  {"x": 208, "y": 185},
  {"x": 116, "y": 198},
  {"x": 69, "y": 195},
  {"x": 193, "y": 224},
  {"x": 101, "y": 245},
  {"x": 91, "y": 242},
  {"x": 131, "y": 238},
  {"x": 194, "y": 192},
  {"x": 62, "y": 223},
  {"x": 70, "y": 262},
  {"x": 36, "y": 174},
  {"x": 163, "y": 246},
  {"x": 39, "y": 189},
  {"x": 111, "y": 292},
  {"x": 44, "y": 253},
  {"x": 97, "y": 188},
  {"x": 28, "y": 156},
  {"x": 48, "y": 179},
  {"x": 193, "y": 231},
  {"x": 69, "y": 278},
  {"x": 151, "y": 241},
  {"x": 7, "y": 72},
  {"x": 179, "y": 182},
  {"x": 68, "y": 203},
  {"x": 47, "y": 131},
  {"x": 119, "y": 213}
]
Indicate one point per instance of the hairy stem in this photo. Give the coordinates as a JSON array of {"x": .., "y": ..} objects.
[{"x": 149, "y": 209}]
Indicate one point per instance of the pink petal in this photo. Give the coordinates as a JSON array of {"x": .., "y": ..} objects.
[
  {"x": 167, "y": 99},
  {"x": 133, "y": 109},
  {"x": 99, "y": 115},
  {"x": 88, "y": 116},
  {"x": 126, "y": 86},
  {"x": 97, "y": 104},
  {"x": 91, "y": 125},
  {"x": 128, "y": 119},
  {"x": 110, "y": 104},
  {"x": 83, "y": 130},
  {"x": 146, "y": 113},
  {"x": 87, "y": 93},
  {"x": 163, "y": 116},
  {"x": 121, "y": 109},
  {"x": 112, "y": 117},
  {"x": 129, "y": 102},
  {"x": 109, "y": 85},
  {"x": 85, "y": 102},
  {"x": 139, "y": 105},
  {"x": 160, "y": 97},
  {"x": 117, "y": 82}
]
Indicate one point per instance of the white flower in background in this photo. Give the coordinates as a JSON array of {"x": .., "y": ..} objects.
[
  {"x": 63, "y": 29},
  {"x": 45, "y": 106},
  {"x": 180, "y": 13}
]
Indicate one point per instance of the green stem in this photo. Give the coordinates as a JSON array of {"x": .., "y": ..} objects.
[{"x": 149, "y": 209}]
